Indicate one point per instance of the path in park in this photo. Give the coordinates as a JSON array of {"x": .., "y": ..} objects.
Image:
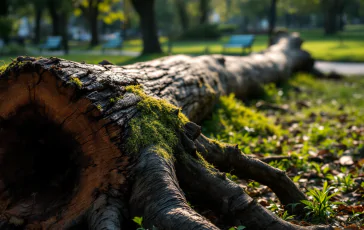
[{"x": 343, "y": 68}]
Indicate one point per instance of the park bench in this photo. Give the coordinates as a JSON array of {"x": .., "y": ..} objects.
[
  {"x": 113, "y": 44},
  {"x": 52, "y": 43},
  {"x": 243, "y": 41}
]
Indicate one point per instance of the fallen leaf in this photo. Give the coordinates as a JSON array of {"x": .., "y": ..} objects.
[{"x": 346, "y": 160}]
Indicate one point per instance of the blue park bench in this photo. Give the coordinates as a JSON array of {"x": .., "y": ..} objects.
[
  {"x": 113, "y": 44},
  {"x": 243, "y": 41},
  {"x": 52, "y": 43}
]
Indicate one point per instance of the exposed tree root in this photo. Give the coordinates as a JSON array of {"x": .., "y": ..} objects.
[
  {"x": 228, "y": 197},
  {"x": 107, "y": 213},
  {"x": 229, "y": 158},
  {"x": 157, "y": 196}
]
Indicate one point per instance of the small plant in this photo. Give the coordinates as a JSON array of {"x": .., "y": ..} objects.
[
  {"x": 285, "y": 216},
  {"x": 253, "y": 184},
  {"x": 347, "y": 183},
  {"x": 321, "y": 208},
  {"x": 282, "y": 164},
  {"x": 139, "y": 222},
  {"x": 232, "y": 177}
]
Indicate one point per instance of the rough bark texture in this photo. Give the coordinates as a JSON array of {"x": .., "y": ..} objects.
[{"x": 97, "y": 111}]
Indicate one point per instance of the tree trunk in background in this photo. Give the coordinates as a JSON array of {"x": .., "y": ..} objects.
[
  {"x": 331, "y": 10},
  {"x": 272, "y": 20},
  {"x": 64, "y": 29},
  {"x": 94, "y": 12},
  {"x": 341, "y": 9},
  {"x": 38, "y": 19},
  {"x": 182, "y": 14},
  {"x": 59, "y": 17},
  {"x": 204, "y": 11},
  {"x": 145, "y": 10},
  {"x": 55, "y": 17}
]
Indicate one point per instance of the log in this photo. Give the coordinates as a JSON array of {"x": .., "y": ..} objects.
[{"x": 92, "y": 146}]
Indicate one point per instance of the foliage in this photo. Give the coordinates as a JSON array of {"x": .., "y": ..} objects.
[
  {"x": 321, "y": 208},
  {"x": 109, "y": 11}
]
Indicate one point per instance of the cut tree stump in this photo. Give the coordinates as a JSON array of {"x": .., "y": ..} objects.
[{"x": 90, "y": 146}]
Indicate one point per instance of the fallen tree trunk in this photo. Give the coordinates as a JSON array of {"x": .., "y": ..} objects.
[{"x": 93, "y": 146}]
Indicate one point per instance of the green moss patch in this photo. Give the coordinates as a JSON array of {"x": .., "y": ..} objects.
[
  {"x": 3, "y": 68},
  {"x": 157, "y": 124},
  {"x": 76, "y": 81}
]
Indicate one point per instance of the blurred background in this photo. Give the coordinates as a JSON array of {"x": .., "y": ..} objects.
[{"x": 122, "y": 30}]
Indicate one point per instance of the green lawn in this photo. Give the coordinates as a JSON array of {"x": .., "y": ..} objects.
[
  {"x": 316, "y": 128},
  {"x": 346, "y": 46}
]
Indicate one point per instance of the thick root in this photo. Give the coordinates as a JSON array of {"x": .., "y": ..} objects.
[
  {"x": 157, "y": 197},
  {"x": 106, "y": 213},
  {"x": 210, "y": 185},
  {"x": 229, "y": 158}
]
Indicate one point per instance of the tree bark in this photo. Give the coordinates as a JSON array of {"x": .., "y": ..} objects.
[
  {"x": 145, "y": 10},
  {"x": 120, "y": 144}
]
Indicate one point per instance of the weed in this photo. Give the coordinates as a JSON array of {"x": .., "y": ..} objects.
[{"x": 321, "y": 208}]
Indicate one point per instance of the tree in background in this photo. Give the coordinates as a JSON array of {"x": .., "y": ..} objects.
[
  {"x": 60, "y": 12},
  {"x": 90, "y": 9},
  {"x": 145, "y": 10},
  {"x": 204, "y": 11},
  {"x": 330, "y": 11},
  {"x": 272, "y": 20},
  {"x": 38, "y": 7},
  {"x": 93, "y": 10},
  {"x": 182, "y": 14}
]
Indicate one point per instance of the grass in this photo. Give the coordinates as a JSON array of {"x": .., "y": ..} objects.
[
  {"x": 322, "y": 120},
  {"x": 328, "y": 48},
  {"x": 346, "y": 46}
]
